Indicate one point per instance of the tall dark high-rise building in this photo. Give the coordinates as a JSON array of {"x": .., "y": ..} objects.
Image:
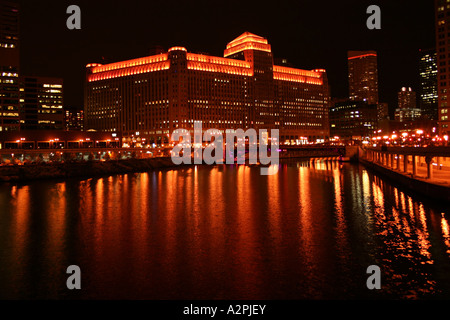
[
  {"x": 41, "y": 103},
  {"x": 428, "y": 83},
  {"x": 9, "y": 66},
  {"x": 363, "y": 76},
  {"x": 152, "y": 96},
  {"x": 442, "y": 8}
]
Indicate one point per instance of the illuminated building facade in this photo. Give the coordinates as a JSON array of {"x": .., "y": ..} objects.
[
  {"x": 363, "y": 76},
  {"x": 443, "y": 61},
  {"x": 428, "y": 83},
  {"x": 353, "y": 119},
  {"x": 74, "y": 120},
  {"x": 407, "y": 110},
  {"x": 152, "y": 96},
  {"x": 9, "y": 66},
  {"x": 41, "y": 103},
  {"x": 406, "y": 98}
]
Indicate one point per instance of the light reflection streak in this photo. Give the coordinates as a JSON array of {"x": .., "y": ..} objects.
[
  {"x": 341, "y": 227},
  {"x": 308, "y": 246},
  {"x": 423, "y": 234},
  {"x": 20, "y": 229},
  {"x": 445, "y": 232},
  {"x": 56, "y": 217}
]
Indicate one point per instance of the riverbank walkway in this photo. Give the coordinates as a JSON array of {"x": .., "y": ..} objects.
[{"x": 430, "y": 164}]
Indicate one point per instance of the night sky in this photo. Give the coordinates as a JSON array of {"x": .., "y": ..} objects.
[{"x": 310, "y": 34}]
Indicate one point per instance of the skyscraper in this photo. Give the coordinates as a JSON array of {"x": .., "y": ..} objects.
[
  {"x": 9, "y": 66},
  {"x": 428, "y": 83},
  {"x": 442, "y": 8},
  {"x": 363, "y": 76}
]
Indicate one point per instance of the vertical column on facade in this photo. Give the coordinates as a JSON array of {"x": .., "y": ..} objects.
[
  {"x": 429, "y": 162},
  {"x": 405, "y": 163},
  {"x": 414, "y": 165},
  {"x": 398, "y": 162}
]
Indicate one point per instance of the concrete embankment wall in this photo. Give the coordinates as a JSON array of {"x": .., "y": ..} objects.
[
  {"x": 86, "y": 169},
  {"x": 427, "y": 189}
]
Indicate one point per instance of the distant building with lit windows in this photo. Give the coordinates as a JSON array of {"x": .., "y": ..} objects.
[
  {"x": 407, "y": 98},
  {"x": 74, "y": 120},
  {"x": 428, "y": 83},
  {"x": 363, "y": 76},
  {"x": 383, "y": 111},
  {"x": 442, "y": 19},
  {"x": 9, "y": 66},
  {"x": 407, "y": 106},
  {"x": 41, "y": 103},
  {"x": 154, "y": 95},
  {"x": 353, "y": 119}
]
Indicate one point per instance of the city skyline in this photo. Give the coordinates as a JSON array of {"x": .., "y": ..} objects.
[{"x": 301, "y": 33}]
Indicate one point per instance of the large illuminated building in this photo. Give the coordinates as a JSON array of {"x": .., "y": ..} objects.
[
  {"x": 443, "y": 64},
  {"x": 152, "y": 96},
  {"x": 9, "y": 66}
]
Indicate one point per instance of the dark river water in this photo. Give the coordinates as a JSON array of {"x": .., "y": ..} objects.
[{"x": 223, "y": 232}]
